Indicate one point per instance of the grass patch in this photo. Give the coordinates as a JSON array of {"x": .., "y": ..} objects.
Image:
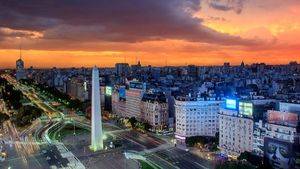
[
  {"x": 67, "y": 130},
  {"x": 145, "y": 165}
]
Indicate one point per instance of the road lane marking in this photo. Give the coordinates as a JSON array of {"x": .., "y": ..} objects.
[{"x": 201, "y": 165}]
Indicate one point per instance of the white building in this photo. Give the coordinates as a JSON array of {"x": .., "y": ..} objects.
[
  {"x": 196, "y": 118},
  {"x": 282, "y": 125},
  {"x": 281, "y": 132},
  {"x": 289, "y": 107},
  {"x": 236, "y": 132}
]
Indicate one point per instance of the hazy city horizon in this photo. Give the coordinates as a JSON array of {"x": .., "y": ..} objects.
[{"x": 133, "y": 63}]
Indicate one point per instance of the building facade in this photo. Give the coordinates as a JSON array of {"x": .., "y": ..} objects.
[
  {"x": 154, "y": 109},
  {"x": 259, "y": 132},
  {"x": 236, "y": 132},
  {"x": 20, "y": 71},
  {"x": 118, "y": 105},
  {"x": 196, "y": 118},
  {"x": 133, "y": 103}
]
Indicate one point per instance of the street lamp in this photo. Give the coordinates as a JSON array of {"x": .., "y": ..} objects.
[{"x": 74, "y": 128}]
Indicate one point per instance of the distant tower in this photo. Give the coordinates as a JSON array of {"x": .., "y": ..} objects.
[
  {"x": 20, "y": 72},
  {"x": 242, "y": 64},
  {"x": 96, "y": 140},
  {"x": 139, "y": 64}
]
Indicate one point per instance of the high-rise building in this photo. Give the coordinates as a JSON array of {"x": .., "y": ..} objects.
[
  {"x": 236, "y": 128},
  {"x": 196, "y": 118},
  {"x": 133, "y": 99},
  {"x": 122, "y": 69},
  {"x": 96, "y": 140},
  {"x": 20, "y": 71}
]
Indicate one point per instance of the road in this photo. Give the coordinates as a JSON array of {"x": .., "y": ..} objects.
[
  {"x": 21, "y": 152},
  {"x": 32, "y": 143},
  {"x": 178, "y": 158}
]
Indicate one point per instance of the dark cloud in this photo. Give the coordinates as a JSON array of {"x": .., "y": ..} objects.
[
  {"x": 227, "y": 5},
  {"x": 9, "y": 33},
  {"x": 213, "y": 18},
  {"x": 112, "y": 20}
]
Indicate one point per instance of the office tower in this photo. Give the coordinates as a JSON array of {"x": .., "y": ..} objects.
[
  {"x": 133, "y": 99},
  {"x": 20, "y": 72},
  {"x": 96, "y": 140}
]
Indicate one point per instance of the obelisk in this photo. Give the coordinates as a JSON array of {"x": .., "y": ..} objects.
[{"x": 96, "y": 140}]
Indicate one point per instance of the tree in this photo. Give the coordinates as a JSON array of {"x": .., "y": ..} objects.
[
  {"x": 3, "y": 117},
  {"x": 26, "y": 115},
  {"x": 146, "y": 126},
  {"x": 244, "y": 156},
  {"x": 251, "y": 158},
  {"x": 191, "y": 141},
  {"x": 214, "y": 147},
  {"x": 132, "y": 122}
]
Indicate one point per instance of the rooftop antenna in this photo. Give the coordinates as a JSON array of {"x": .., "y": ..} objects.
[{"x": 20, "y": 50}]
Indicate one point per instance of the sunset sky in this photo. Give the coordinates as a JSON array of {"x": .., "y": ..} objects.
[{"x": 67, "y": 33}]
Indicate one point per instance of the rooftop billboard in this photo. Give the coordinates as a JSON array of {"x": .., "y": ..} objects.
[
  {"x": 246, "y": 108},
  {"x": 122, "y": 93},
  {"x": 283, "y": 118},
  {"x": 231, "y": 104}
]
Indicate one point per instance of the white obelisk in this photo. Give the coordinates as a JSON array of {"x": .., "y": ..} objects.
[{"x": 97, "y": 140}]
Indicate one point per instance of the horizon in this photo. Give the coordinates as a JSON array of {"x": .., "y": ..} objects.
[{"x": 145, "y": 65}]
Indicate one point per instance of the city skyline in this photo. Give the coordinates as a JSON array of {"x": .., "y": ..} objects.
[
  {"x": 206, "y": 32},
  {"x": 150, "y": 84}
]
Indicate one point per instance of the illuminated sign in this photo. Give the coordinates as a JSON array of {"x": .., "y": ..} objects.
[
  {"x": 122, "y": 92},
  {"x": 246, "y": 108},
  {"x": 137, "y": 85},
  {"x": 231, "y": 104},
  {"x": 108, "y": 90},
  {"x": 180, "y": 137},
  {"x": 283, "y": 118}
]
